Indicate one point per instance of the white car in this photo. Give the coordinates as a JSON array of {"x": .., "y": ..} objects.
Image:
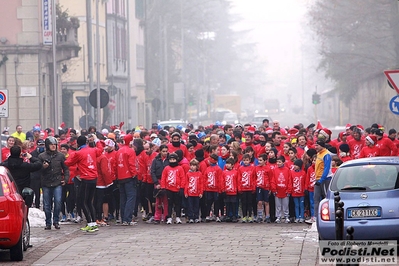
[
  {"x": 172, "y": 123},
  {"x": 230, "y": 118}
]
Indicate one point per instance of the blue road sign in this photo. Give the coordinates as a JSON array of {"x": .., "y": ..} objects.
[{"x": 394, "y": 105}]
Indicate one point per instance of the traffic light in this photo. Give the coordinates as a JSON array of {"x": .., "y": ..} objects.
[{"x": 315, "y": 98}]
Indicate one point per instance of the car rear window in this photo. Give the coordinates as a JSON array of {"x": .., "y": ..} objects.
[{"x": 366, "y": 177}]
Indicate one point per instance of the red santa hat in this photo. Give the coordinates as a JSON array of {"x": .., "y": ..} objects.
[
  {"x": 293, "y": 131},
  {"x": 372, "y": 139},
  {"x": 326, "y": 132},
  {"x": 251, "y": 130},
  {"x": 269, "y": 130},
  {"x": 319, "y": 125},
  {"x": 348, "y": 126}
]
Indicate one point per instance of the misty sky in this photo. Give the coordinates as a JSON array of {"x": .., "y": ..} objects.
[{"x": 277, "y": 29}]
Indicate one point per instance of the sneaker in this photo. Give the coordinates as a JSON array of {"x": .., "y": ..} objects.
[
  {"x": 63, "y": 219},
  {"x": 86, "y": 228},
  {"x": 197, "y": 221},
  {"x": 259, "y": 220},
  {"x": 208, "y": 219},
  {"x": 129, "y": 223},
  {"x": 287, "y": 220},
  {"x": 234, "y": 220},
  {"x": 68, "y": 217},
  {"x": 311, "y": 220},
  {"x": 169, "y": 221},
  {"x": 151, "y": 220},
  {"x": 301, "y": 220},
  {"x": 48, "y": 227},
  {"x": 218, "y": 220},
  {"x": 244, "y": 220},
  {"x": 178, "y": 221},
  {"x": 296, "y": 220},
  {"x": 203, "y": 220},
  {"x": 191, "y": 221},
  {"x": 57, "y": 226},
  {"x": 278, "y": 221},
  {"x": 267, "y": 220},
  {"x": 78, "y": 219},
  {"x": 250, "y": 219},
  {"x": 157, "y": 221}
]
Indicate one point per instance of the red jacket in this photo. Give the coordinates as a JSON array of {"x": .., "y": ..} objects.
[
  {"x": 151, "y": 158},
  {"x": 387, "y": 147},
  {"x": 213, "y": 178},
  {"x": 182, "y": 147},
  {"x": 185, "y": 164},
  {"x": 104, "y": 179},
  {"x": 298, "y": 183},
  {"x": 229, "y": 182},
  {"x": 194, "y": 184},
  {"x": 142, "y": 165},
  {"x": 203, "y": 166},
  {"x": 86, "y": 160},
  {"x": 263, "y": 176},
  {"x": 73, "y": 169},
  {"x": 111, "y": 157},
  {"x": 5, "y": 153},
  {"x": 369, "y": 152},
  {"x": 310, "y": 179},
  {"x": 246, "y": 179},
  {"x": 126, "y": 163},
  {"x": 355, "y": 147},
  {"x": 281, "y": 182},
  {"x": 173, "y": 178}
]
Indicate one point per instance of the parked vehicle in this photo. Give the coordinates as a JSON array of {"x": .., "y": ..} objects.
[
  {"x": 230, "y": 119},
  {"x": 369, "y": 188},
  {"x": 258, "y": 119},
  {"x": 172, "y": 123},
  {"x": 14, "y": 222}
]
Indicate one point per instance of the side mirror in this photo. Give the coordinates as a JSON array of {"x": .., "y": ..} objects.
[{"x": 27, "y": 195}]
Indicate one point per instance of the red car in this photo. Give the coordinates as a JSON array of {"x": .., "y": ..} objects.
[{"x": 14, "y": 223}]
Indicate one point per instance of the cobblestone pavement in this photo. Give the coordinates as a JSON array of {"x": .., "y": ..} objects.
[{"x": 183, "y": 244}]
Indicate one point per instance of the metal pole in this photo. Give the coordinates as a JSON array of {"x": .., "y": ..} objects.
[
  {"x": 129, "y": 84},
  {"x": 182, "y": 63},
  {"x": 165, "y": 32},
  {"x": 161, "y": 70},
  {"x": 98, "y": 119},
  {"x": 89, "y": 45},
  {"x": 55, "y": 80}
]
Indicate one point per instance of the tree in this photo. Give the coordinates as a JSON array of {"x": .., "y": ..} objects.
[{"x": 358, "y": 40}]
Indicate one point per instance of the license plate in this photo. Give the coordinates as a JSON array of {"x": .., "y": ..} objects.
[{"x": 364, "y": 213}]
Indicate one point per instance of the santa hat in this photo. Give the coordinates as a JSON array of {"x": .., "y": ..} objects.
[
  {"x": 109, "y": 142},
  {"x": 319, "y": 125},
  {"x": 348, "y": 126},
  {"x": 326, "y": 132},
  {"x": 251, "y": 130},
  {"x": 293, "y": 131},
  {"x": 372, "y": 139},
  {"x": 269, "y": 130}
]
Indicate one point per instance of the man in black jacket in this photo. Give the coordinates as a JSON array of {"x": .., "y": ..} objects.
[
  {"x": 19, "y": 169},
  {"x": 35, "y": 176},
  {"x": 55, "y": 174}
]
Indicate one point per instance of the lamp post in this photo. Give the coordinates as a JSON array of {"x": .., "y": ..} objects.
[{"x": 55, "y": 79}]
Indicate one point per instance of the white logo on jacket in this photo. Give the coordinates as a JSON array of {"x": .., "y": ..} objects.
[
  {"x": 229, "y": 183},
  {"x": 281, "y": 180},
  {"x": 172, "y": 179},
  {"x": 192, "y": 184},
  {"x": 260, "y": 178},
  {"x": 211, "y": 179},
  {"x": 90, "y": 162}
]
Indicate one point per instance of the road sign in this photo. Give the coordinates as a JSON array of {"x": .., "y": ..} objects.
[
  {"x": 104, "y": 98},
  {"x": 394, "y": 105},
  {"x": 393, "y": 78},
  {"x": 3, "y": 103}
]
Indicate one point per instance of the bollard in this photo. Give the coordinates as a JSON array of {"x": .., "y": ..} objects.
[
  {"x": 339, "y": 216},
  {"x": 349, "y": 236}
]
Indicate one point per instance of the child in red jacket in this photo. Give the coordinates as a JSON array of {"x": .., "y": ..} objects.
[
  {"x": 173, "y": 178},
  {"x": 193, "y": 191},
  {"x": 298, "y": 190},
  {"x": 263, "y": 176},
  {"x": 212, "y": 185},
  {"x": 309, "y": 185},
  {"x": 229, "y": 188},
  {"x": 246, "y": 187},
  {"x": 281, "y": 185}
]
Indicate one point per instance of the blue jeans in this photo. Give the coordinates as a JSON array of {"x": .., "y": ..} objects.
[
  {"x": 299, "y": 207},
  {"x": 128, "y": 194},
  {"x": 50, "y": 195},
  {"x": 311, "y": 203}
]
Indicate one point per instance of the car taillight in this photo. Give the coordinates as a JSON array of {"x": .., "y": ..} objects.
[
  {"x": 325, "y": 212},
  {"x": 6, "y": 189}
]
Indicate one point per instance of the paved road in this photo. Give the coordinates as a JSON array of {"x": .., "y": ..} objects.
[{"x": 185, "y": 244}]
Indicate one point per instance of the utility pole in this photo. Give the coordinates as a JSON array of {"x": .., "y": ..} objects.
[
  {"x": 89, "y": 45},
  {"x": 55, "y": 79},
  {"x": 182, "y": 63},
  {"x": 98, "y": 119}
]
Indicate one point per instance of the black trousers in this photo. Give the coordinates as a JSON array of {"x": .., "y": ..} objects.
[
  {"x": 246, "y": 203},
  {"x": 174, "y": 202}
]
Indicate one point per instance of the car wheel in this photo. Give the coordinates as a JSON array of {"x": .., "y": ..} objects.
[
  {"x": 26, "y": 236},
  {"x": 16, "y": 252}
]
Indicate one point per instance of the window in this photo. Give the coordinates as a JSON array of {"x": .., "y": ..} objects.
[{"x": 140, "y": 56}]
